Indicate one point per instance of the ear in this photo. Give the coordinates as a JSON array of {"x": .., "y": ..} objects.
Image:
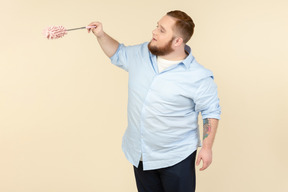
[{"x": 178, "y": 41}]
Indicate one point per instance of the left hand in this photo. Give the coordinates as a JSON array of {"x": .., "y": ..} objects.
[{"x": 206, "y": 156}]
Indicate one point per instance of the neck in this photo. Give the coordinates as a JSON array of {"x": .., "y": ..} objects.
[{"x": 176, "y": 55}]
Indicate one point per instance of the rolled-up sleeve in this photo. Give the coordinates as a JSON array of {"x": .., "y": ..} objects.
[
  {"x": 206, "y": 99},
  {"x": 120, "y": 57}
]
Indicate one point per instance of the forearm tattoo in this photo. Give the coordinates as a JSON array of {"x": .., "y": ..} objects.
[{"x": 206, "y": 128}]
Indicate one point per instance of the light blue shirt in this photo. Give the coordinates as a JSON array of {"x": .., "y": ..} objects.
[{"x": 163, "y": 107}]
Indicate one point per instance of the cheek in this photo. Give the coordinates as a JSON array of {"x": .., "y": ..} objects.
[{"x": 162, "y": 40}]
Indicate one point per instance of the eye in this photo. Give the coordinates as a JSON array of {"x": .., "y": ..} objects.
[{"x": 160, "y": 29}]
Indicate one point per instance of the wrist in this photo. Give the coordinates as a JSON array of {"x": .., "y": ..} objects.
[
  {"x": 206, "y": 146},
  {"x": 100, "y": 35}
]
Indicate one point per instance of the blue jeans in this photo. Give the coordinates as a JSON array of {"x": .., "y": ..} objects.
[{"x": 177, "y": 178}]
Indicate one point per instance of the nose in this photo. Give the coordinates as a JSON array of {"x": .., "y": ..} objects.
[{"x": 154, "y": 32}]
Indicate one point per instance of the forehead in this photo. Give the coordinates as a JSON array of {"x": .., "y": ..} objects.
[{"x": 167, "y": 22}]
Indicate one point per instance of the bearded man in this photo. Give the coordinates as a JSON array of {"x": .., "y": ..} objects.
[{"x": 168, "y": 89}]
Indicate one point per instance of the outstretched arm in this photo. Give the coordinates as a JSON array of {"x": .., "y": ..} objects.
[
  {"x": 209, "y": 132},
  {"x": 107, "y": 43}
]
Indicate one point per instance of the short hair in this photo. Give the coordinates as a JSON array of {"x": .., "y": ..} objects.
[{"x": 184, "y": 24}]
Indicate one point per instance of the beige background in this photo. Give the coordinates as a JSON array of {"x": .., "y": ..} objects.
[{"x": 63, "y": 105}]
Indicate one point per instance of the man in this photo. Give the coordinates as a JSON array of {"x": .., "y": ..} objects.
[{"x": 167, "y": 90}]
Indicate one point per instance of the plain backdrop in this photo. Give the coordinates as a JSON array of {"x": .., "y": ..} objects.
[{"x": 63, "y": 105}]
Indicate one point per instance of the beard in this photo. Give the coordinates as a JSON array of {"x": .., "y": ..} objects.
[{"x": 161, "y": 51}]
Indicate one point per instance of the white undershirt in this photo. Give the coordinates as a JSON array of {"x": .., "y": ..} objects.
[{"x": 164, "y": 64}]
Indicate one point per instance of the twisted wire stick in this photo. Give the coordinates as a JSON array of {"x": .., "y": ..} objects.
[{"x": 75, "y": 28}]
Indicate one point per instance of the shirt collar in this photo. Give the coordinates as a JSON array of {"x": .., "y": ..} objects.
[{"x": 188, "y": 60}]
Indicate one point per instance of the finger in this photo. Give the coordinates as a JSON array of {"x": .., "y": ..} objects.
[
  {"x": 204, "y": 166},
  {"x": 198, "y": 160},
  {"x": 93, "y": 28},
  {"x": 89, "y": 28},
  {"x": 93, "y": 24}
]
